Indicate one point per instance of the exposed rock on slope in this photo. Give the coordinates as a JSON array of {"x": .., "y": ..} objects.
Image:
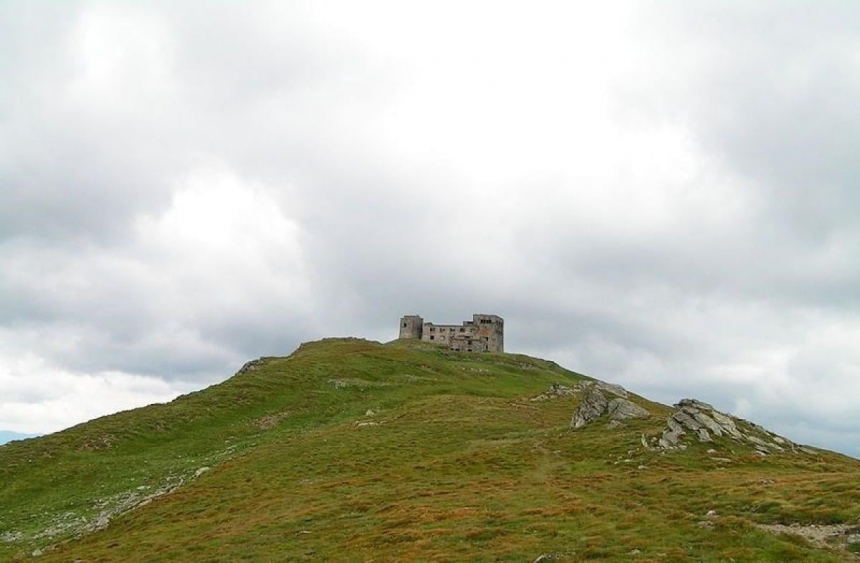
[
  {"x": 622, "y": 409},
  {"x": 701, "y": 420},
  {"x": 594, "y": 405},
  {"x": 557, "y": 390}
]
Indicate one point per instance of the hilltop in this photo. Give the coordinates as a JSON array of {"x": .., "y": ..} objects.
[{"x": 350, "y": 450}]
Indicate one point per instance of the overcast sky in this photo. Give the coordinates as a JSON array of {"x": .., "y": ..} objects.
[{"x": 664, "y": 195}]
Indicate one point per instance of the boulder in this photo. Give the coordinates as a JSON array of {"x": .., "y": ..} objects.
[
  {"x": 671, "y": 435},
  {"x": 593, "y": 405},
  {"x": 611, "y": 388},
  {"x": 622, "y": 409}
]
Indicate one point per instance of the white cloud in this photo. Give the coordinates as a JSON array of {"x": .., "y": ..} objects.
[
  {"x": 120, "y": 58},
  {"x": 39, "y": 397},
  {"x": 225, "y": 239}
]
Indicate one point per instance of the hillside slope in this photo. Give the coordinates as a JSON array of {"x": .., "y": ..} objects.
[{"x": 350, "y": 450}]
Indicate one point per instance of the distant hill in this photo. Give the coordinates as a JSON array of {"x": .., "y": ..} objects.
[
  {"x": 8, "y": 436},
  {"x": 349, "y": 450}
]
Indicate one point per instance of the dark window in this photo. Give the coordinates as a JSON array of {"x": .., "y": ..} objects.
[
  {"x": 432, "y": 329},
  {"x": 404, "y": 325},
  {"x": 462, "y": 330},
  {"x": 432, "y": 337}
]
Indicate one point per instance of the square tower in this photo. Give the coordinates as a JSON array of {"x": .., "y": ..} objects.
[
  {"x": 411, "y": 326},
  {"x": 491, "y": 329}
]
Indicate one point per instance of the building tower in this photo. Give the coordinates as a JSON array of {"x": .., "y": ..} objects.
[
  {"x": 411, "y": 326},
  {"x": 490, "y": 328}
]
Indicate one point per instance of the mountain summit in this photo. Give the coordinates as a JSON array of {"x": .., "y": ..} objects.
[{"x": 349, "y": 450}]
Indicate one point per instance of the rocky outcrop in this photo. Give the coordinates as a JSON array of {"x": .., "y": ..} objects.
[
  {"x": 701, "y": 422},
  {"x": 594, "y": 405},
  {"x": 622, "y": 409},
  {"x": 611, "y": 388},
  {"x": 557, "y": 390},
  {"x": 252, "y": 365}
]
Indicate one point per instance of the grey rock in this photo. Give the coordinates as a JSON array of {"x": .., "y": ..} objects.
[
  {"x": 251, "y": 366},
  {"x": 727, "y": 424},
  {"x": 546, "y": 557},
  {"x": 623, "y": 409},
  {"x": 611, "y": 388},
  {"x": 593, "y": 405},
  {"x": 671, "y": 435},
  {"x": 686, "y": 420},
  {"x": 102, "y": 521},
  {"x": 9, "y": 537},
  {"x": 705, "y": 423},
  {"x": 764, "y": 444},
  {"x": 708, "y": 423},
  {"x": 694, "y": 404},
  {"x": 556, "y": 390}
]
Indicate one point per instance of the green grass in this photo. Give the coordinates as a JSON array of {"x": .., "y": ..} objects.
[{"x": 454, "y": 463}]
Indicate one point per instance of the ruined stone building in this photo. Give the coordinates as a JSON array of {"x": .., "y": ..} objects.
[{"x": 484, "y": 333}]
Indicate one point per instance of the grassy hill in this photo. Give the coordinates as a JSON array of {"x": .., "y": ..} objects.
[
  {"x": 350, "y": 450},
  {"x": 8, "y": 436}
]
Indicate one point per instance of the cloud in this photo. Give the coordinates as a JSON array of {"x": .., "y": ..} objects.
[
  {"x": 661, "y": 196},
  {"x": 39, "y": 397},
  {"x": 222, "y": 261}
]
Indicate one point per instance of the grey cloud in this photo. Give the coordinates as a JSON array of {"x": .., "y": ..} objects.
[
  {"x": 770, "y": 90},
  {"x": 660, "y": 280},
  {"x": 78, "y": 166}
]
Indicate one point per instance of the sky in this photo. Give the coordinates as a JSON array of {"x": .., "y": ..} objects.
[{"x": 662, "y": 195}]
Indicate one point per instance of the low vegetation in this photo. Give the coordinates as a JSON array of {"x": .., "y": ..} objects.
[{"x": 350, "y": 450}]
